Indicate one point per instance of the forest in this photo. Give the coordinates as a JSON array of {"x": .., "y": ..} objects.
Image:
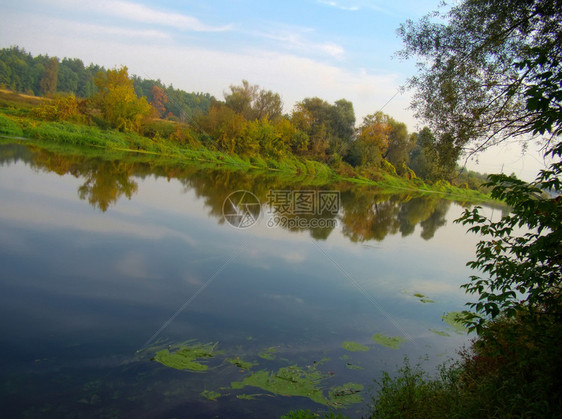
[{"x": 249, "y": 122}]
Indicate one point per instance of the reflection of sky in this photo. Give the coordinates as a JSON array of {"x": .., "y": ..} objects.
[{"x": 74, "y": 274}]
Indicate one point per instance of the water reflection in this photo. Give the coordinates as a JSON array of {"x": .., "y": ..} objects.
[
  {"x": 81, "y": 290},
  {"x": 365, "y": 214}
]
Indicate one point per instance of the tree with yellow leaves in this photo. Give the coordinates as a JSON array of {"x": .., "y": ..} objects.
[{"x": 118, "y": 102}]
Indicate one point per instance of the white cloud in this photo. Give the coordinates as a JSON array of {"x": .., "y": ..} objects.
[
  {"x": 339, "y": 5},
  {"x": 332, "y": 49},
  {"x": 112, "y": 31},
  {"x": 293, "y": 39},
  {"x": 355, "y": 5},
  {"x": 140, "y": 13},
  {"x": 135, "y": 12}
]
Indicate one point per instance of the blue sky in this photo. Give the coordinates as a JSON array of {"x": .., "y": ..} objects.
[{"x": 332, "y": 49}]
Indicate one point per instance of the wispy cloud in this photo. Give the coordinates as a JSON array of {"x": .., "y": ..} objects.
[
  {"x": 294, "y": 39},
  {"x": 355, "y": 5},
  {"x": 135, "y": 12},
  {"x": 122, "y": 32},
  {"x": 144, "y": 14},
  {"x": 339, "y": 6}
]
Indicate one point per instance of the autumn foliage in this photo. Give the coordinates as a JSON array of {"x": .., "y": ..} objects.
[{"x": 118, "y": 102}]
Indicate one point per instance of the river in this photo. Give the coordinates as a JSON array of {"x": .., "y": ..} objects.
[{"x": 106, "y": 263}]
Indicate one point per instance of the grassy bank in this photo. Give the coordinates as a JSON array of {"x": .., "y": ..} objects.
[{"x": 18, "y": 123}]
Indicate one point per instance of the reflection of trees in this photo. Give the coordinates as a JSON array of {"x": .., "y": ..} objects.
[
  {"x": 435, "y": 220},
  {"x": 105, "y": 183},
  {"x": 368, "y": 215},
  {"x": 428, "y": 212},
  {"x": 365, "y": 213}
]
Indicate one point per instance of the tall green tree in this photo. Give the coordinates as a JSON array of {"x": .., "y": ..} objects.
[
  {"x": 254, "y": 103},
  {"x": 467, "y": 86},
  {"x": 330, "y": 128},
  {"x": 48, "y": 83},
  {"x": 373, "y": 139},
  {"x": 400, "y": 142},
  {"x": 516, "y": 56}
]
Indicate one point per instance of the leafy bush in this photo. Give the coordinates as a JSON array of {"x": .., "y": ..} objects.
[
  {"x": 523, "y": 271},
  {"x": 9, "y": 127},
  {"x": 60, "y": 109}
]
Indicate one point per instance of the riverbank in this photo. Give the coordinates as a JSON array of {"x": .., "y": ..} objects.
[{"x": 18, "y": 124}]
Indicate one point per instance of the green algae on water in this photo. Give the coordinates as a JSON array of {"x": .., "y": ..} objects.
[
  {"x": 455, "y": 319},
  {"x": 185, "y": 356},
  {"x": 423, "y": 298},
  {"x": 301, "y": 382},
  {"x": 354, "y": 346},
  {"x": 288, "y": 381},
  {"x": 248, "y": 396},
  {"x": 349, "y": 393},
  {"x": 269, "y": 354},
  {"x": 245, "y": 365},
  {"x": 351, "y": 366},
  {"x": 210, "y": 395},
  {"x": 439, "y": 332},
  {"x": 426, "y": 300},
  {"x": 393, "y": 342}
]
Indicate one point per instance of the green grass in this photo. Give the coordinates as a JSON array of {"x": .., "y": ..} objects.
[
  {"x": 9, "y": 127},
  {"x": 45, "y": 133}
]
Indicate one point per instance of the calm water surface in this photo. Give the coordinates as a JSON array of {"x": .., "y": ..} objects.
[{"x": 105, "y": 262}]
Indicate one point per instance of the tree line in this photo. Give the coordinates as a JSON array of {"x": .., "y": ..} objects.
[{"x": 249, "y": 122}]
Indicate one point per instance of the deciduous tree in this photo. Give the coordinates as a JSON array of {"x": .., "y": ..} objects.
[
  {"x": 48, "y": 83},
  {"x": 118, "y": 101},
  {"x": 159, "y": 100},
  {"x": 468, "y": 86}
]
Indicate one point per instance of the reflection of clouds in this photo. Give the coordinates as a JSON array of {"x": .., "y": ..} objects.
[
  {"x": 50, "y": 217},
  {"x": 192, "y": 280},
  {"x": 294, "y": 257},
  {"x": 429, "y": 288},
  {"x": 268, "y": 250},
  {"x": 284, "y": 298},
  {"x": 133, "y": 265},
  {"x": 13, "y": 243}
]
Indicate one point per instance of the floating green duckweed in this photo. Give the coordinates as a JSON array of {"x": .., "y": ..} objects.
[
  {"x": 184, "y": 357},
  {"x": 393, "y": 342},
  {"x": 455, "y": 319},
  {"x": 439, "y": 332},
  {"x": 269, "y": 353},
  {"x": 245, "y": 365},
  {"x": 211, "y": 395},
  {"x": 248, "y": 396},
  {"x": 354, "y": 346},
  {"x": 423, "y": 298},
  {"x": 303, "y": 382},
  {"x": 287, "y": 381},
  {"x": 426, "y": 300},
  {"x": 349, "y": 393},
  {"x": 351, "y": 366}
]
